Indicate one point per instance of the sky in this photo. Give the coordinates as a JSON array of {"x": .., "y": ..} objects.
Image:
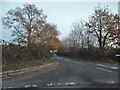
[{"x": 61, "y": 13}]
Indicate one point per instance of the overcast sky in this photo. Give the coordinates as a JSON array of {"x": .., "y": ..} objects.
[{"x": 63, "y": 13}]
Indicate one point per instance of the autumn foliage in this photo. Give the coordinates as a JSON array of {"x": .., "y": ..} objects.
[{"x": 33, "y": 36}]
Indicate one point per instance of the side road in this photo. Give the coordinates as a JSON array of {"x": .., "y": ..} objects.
[{"x": 41, "y": 68}]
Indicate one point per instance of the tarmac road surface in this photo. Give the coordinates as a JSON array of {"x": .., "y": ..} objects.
[{"x": 71, "y": 74}]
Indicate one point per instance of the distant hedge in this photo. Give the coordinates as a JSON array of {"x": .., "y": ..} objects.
[{"x": 92, "y": 52}]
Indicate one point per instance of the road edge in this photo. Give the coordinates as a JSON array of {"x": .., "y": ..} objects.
[{"x": 41, "y": 69}]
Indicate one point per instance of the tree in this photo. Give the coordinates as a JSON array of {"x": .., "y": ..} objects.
[
  {"x": 49, "y": 30},
  {"x": 78, "y": 30},
  {"x": 24, "y": 22},
  {"x": 89, "y": 38},
  {"x": 54, "y": 43},
  {"x": 104, "y": 26},
  {"x": 47, "y": 37}
]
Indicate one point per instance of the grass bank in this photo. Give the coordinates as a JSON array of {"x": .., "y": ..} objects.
[{"x": 26, "y": 64}]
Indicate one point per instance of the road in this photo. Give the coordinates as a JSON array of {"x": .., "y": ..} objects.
[{"x": 71, "y": 73}]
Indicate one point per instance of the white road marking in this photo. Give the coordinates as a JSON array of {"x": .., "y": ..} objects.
[
  {"x": 67, "y": 83},
  {"x": 107, "y": 66},
  {"x": 49, "y": 84},
  {"x": 101, "y": 65},
  {"x": 114, "y": 67},
  {"x": 9, "y": 87},
  {"x": 70, "y": 83},
  {"x": 103, "y": 69},
  {"x": 111, "y": 82},
  {"x": 58, "y": 84},
  {"x": 34, "y": 85},
  {"x": 27, "y": 86}
]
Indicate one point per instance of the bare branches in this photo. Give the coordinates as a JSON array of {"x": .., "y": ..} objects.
[
  {"x": 103, "y": 22},
  {"x": 19, "y": 32},
  {"x": 28, "y": 19}
]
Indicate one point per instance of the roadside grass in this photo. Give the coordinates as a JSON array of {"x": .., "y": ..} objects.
[{"x": 26, "y": 64}]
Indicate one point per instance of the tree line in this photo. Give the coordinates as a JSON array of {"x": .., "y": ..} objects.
[
  {"x": 33, "y": 36},
  {"x": 97, "y": 38}
]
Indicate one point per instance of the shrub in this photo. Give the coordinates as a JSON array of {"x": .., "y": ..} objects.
[{"x": 12, "y": 53}]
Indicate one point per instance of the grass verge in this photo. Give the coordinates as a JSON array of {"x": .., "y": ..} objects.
[{"x": 26, "y": 64}]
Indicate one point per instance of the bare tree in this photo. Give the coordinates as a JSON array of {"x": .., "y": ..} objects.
[
  {"x": 104, "y": 26},
  {"x": 78, "y": 30},
  {"x": 24, "y": 21}
]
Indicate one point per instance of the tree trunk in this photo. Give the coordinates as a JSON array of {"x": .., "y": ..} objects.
[
  {"x": 100, "y": 36},
  {"x": 29, "y": 38}
]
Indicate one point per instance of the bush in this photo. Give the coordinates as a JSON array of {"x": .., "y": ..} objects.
[
  {"x": 91, "y": 52},
  {"x": 12, "y": 53}
]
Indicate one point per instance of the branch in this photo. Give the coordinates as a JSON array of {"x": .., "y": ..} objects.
[
  {"x": 105, "y": 38},
  {"x": 19, "y": 32},
  {"x": 97, "y": 34}
]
